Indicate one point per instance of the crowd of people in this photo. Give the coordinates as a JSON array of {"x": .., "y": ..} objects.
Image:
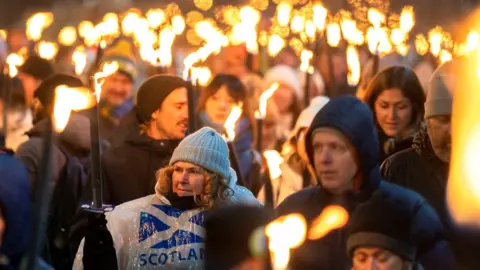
[{"x": 180, "y": 201}]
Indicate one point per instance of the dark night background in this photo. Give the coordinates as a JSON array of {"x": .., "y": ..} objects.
[{"x": 429, "y": 12}]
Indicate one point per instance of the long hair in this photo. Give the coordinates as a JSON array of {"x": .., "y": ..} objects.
[
  {"x": 405, "y": 80},
  {"x": 236, "y": 89},
  {"x": 215, "y": 188}
]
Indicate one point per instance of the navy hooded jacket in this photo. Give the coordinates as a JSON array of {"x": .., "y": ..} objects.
[
  {"x": 15, "y": 208},
  {"x": 354, "y": 119}
]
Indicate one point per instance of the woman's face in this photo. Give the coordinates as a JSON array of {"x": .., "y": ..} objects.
[
  {"x": 219, "y": 105},
  {"x": 394, "y": 112},
  {"x": 187, "y": 179},
  {"x": 283, "y": 98},
  {"x": 376, "y": 259}
]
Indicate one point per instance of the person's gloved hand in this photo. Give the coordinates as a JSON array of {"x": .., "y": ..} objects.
[{"x": 98, "y": 251}]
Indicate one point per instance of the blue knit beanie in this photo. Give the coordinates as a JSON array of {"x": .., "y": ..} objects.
[{"x": 204, "y": 148}]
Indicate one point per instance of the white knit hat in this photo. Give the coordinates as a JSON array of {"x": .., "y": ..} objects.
[
  {"x": 285, "y": 75},
  {"x": 306, "y": 116},
  {"x": 207, "y": 149}
]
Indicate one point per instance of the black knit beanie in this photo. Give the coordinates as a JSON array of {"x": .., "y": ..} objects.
[
  {"x": 229, "y": 232},
  {"x": 153, "y": 92},
  {"x": 37, "y": 67},
  {"x": 46, "y": 91},
  {"x": 383, "y": 223}
]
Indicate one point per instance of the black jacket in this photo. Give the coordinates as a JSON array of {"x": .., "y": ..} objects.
[
  {"x": 419, "y": 169},
  {"x": 129, "y": 170},
  {"x": 354, "y": 120}
]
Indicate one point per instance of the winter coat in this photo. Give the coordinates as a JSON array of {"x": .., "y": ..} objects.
[
  {"x": 15, "y": 208},
  {"x": 419, "y": 169},
  {"x": 243, "y": 141},
  {"x": 355, "y": 120},
  {"x": 74, "y": 139},
  {"x": 153, "y": 233},
  {"x": 129, "y": 170},
  {"x": 109, "y": 119}
]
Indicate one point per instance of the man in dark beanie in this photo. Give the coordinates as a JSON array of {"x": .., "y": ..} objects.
[
  {"x": 385, "y": 243},
  {"x": 70, "y": 161},
  {"x": 129, "y": 169},
  {"x": 75, "y": 137},
  {"x": 235, "y": 238},
  {"x": 342, "y": 148},
  {"x": 32, "y": 73}
]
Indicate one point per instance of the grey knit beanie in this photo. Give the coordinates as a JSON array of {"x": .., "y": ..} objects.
[
  {"x": 440, "y": 90},
  {"x": 204, "y": 148}
]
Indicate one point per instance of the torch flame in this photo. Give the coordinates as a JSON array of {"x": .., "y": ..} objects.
[
  {"x": 178, "y": 24},
  {"x": 285, "y": 233},
  {"x": 463, "y": 185},
  {"x": 79, "y": 58},
  {"x": 84, "y": 28},
  {"x": 333, "y": 34},
  {"x": 298, "y": 24},
  {"x": 473, "y": 41},
  {"x": 264, "y": 97},
  {"x": 305, "y": 57},
  {"x": 421, "y": 44},
  {"x": 231, "y": 121},
  {"x": 376, "y": 17},
  {"x": 47, "y": 50},
  {"x": 275, "y": 45},
  {"x": 435, "y": 37},
  {"x": 167, "y": 36},
  {"x": 68, "y": 100},
  {"x": 407, "y": 19},
  {"x": 310, "y": 29},
  {"x": 319, "y": 16},
  {"x": 67, "y": 36},
  {"x": 37, "y": 23},
  {"x": 14, "y": 60},
  {"x": 155, "y": 17},
  {"x": 108, "y": 69},
  {"x": 274, "y": 160},
  {"x": 351, "y": 33},
  {"x": 284, "y": 11},
  {"x": 332, "y": 217},
  {"x": 353, "y": 61}
]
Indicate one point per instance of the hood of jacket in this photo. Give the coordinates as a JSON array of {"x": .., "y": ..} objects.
[
  {"x": 15, "y": 207},
  {"x": 76, "y": 134},
  {"x": 354, "y": 119}
]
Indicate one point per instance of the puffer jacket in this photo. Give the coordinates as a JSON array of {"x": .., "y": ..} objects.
[
  {"x": 354, "y": 119},
  {"x": 419, "y": 169}
]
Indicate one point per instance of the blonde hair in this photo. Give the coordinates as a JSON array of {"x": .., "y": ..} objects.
[{"x": 215, "y": 189}]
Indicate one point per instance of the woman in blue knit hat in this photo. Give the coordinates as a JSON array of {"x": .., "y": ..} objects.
[{"x": 166, "y": 230}]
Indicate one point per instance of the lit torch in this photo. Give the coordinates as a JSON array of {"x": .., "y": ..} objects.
[
  {"x": 230, "y": 133},
  {"x": 274, "y": 159},
  {"x": 332, "y": 217},
  {"x": 262, "y": 111},
  {"x": 47, "y": 50},
  {"x": 79, "y": 58},
  {"x": 285, "y": 233},
  {"x": 353, "y": 61},
  {"x": 463, "y": 185},
  {"x": 96, "y": 177}
]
